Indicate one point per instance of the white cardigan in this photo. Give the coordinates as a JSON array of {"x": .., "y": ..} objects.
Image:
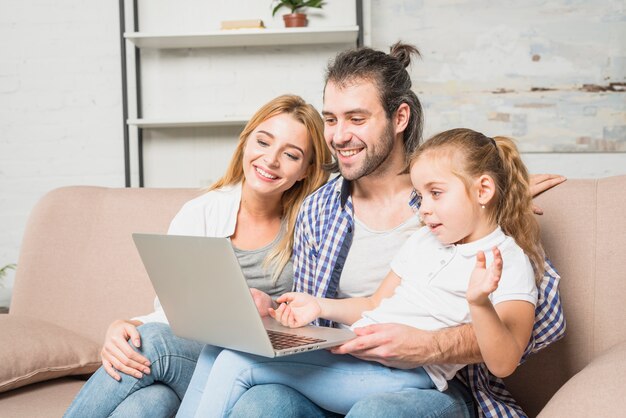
[{"x": 214, "y": 214}]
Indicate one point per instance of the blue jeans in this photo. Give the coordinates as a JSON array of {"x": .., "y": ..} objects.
[
  {"x": 198, "y": 383},
  {"x": 157, "y": 394},
  {"x": 334, "y": 382},
  {"x": 278, "y": 401}
]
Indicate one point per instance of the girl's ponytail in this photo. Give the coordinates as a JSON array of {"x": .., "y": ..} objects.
[{"x": 515, "y": 214}]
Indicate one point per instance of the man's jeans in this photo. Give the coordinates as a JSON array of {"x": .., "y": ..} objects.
[
  {"x": 157, "y": 394},
  {"x": 279, "y": 401}
]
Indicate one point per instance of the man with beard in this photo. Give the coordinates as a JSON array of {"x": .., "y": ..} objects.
[{"x": 348, "y": 231}]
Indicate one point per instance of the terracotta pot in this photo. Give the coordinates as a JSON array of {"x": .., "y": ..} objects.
[{"x": 295, "y": 20}]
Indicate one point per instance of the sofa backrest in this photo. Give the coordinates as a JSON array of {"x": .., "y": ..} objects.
[
  {"x": 584, "y": 234},
  {"x": 78, "y": 266}
]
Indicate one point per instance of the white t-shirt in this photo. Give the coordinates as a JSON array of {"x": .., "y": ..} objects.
[
  {"x": 362, "y": 272},
  {"x": 434, "y": 280}
]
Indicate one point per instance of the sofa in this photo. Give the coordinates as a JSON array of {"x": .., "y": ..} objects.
[{"x": 78, "y": 270}]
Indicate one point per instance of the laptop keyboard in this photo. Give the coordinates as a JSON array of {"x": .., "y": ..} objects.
[{"x": 282, "y": 340}]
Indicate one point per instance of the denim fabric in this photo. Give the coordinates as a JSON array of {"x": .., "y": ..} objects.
[
  {"x": 173, "y": 360},
  {"x": 198, "y": 383},
  {"x": 156, "y": 400},
  {"x": 280, "y": 401},
  {"x": 334, "y": 382}
]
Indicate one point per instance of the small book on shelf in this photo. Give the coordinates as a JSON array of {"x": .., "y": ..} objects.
[{"x": 242, "y": 24}]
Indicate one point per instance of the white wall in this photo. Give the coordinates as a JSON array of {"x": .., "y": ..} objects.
[
  {"x": 518, "y": 69},
  {"x": 60, "y": 104},
  {"x": 60, "y": 85}
]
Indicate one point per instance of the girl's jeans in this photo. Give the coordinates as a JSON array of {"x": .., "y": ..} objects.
[{"x": 334, "y": 382}]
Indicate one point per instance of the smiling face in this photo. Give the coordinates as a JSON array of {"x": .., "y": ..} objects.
[
  {"x": 448, "y": 208},
  {"x": 277, "y": 154},
  {"x": 356, "y": 128}
]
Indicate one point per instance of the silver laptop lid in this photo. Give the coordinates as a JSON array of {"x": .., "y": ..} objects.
[{"x": 203, "y": 291}]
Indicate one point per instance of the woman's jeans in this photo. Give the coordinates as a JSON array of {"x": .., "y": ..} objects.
[
  {"x": 157, "y": 394},
  {"x": 334, "y": 382}
]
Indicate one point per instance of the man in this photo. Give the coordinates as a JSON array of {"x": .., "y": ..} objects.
[{"x": 349, "y": 230}]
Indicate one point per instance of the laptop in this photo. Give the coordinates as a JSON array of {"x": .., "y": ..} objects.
[{"x": 206, "y": 298}]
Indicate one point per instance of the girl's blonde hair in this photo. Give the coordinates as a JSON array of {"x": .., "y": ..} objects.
[
  {"x": 291, "y": 200},
  {"x": 474, "y": 154}
]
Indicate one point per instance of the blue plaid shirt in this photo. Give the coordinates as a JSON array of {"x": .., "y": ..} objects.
[{"x": 322, "y": 240}]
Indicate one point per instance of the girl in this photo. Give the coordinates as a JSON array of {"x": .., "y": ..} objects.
[
  {"x": 278, "y": 162},
  {"x": 476, "y": 211}
]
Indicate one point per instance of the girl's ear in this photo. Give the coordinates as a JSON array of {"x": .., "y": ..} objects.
[{"x": 486, "y": 189}]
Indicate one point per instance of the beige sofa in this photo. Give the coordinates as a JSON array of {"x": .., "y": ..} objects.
[{"x": 78, "y": 270}]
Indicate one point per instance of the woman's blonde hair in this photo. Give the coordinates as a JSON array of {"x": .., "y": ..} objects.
[
  {"x": 474, "y": 154},
  {"x": 291, "y": 200}
]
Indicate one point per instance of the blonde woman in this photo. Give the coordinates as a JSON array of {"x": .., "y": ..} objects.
[{"x": 278, "y": 162}]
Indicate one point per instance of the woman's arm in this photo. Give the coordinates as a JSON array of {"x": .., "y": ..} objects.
[{"x": 502, "y": 333}]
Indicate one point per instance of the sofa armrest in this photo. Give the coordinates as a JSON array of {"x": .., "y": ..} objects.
[{"x": 596, "y": 391}]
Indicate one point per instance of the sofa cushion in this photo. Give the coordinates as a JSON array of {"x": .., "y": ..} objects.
[
  {"x": 33, "y": 350},
  {"x": 595, "y": 391}
]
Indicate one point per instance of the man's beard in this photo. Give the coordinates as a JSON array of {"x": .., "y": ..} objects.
[{"x": 376, "y": 159}]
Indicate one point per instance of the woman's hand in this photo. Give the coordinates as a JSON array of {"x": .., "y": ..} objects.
[
  {"x": 262, "y": 300},
  {"x": 484, "y": 280},
  {"x": 118, "y": 355},
  {"x": 296, "y": 309}
]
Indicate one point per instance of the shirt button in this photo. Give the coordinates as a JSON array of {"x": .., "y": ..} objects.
[
  {"x": 442, "y": 262},
  {"x": 430, "y": 275}
]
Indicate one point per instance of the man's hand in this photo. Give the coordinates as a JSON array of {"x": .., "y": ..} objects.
[
  {"x": 262, "y": 300},
  {"x": 394, "y": 345},
  {"x": 539, "y": 183},
  {"x": 118, "y": 355}
]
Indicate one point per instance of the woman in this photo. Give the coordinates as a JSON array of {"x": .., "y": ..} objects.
[{"x": 278, "y": 161}]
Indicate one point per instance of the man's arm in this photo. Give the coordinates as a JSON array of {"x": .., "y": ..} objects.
[{"x": 405, "y": 347}]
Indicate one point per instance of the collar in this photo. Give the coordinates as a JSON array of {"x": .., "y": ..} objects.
[
  {"x": 485, "y": 244},
  {"x": 344, "y": 192}
]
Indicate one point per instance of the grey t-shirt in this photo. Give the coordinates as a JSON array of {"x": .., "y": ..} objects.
[{"x": 259, "y": 276}]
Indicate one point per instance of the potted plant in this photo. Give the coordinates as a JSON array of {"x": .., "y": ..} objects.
[
  {"x": 295, "y": 18},
  {"x": 5, "y": 294}
]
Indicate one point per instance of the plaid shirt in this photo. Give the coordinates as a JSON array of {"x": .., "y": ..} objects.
[{"x": 322, "y": 240}]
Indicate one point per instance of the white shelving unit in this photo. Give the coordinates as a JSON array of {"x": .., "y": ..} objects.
[
  {"x": 234, "y": 38},
  {"x": 246, "y": 37}
]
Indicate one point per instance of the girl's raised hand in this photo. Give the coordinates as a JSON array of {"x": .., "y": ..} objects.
[
  {"x": 484, "y": 280},
  {"x": 296, "y": 309}
]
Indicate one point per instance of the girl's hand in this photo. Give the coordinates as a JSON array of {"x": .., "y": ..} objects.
[
  {"x": 296, "y": 309},
  {"x": 118, "y": 355},
  {"x": 484, "y": 280}
]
